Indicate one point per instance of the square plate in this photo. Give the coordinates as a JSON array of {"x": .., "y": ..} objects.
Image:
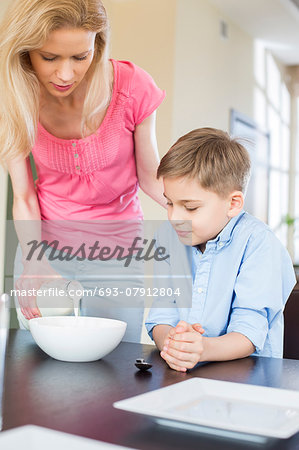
[
  {"x": 32, "y": 437},
  {"x": 223, "y": 408}
]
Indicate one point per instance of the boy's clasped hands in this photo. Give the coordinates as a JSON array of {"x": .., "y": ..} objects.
[{"x": 183, "y": 346}]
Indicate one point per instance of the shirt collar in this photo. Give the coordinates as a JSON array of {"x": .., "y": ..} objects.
[{"x": 225, "y": 235}]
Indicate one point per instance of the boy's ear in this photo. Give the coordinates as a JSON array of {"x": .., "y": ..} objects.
[{"x": 236, "y": 203}]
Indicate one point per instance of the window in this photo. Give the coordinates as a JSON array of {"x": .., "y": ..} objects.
[{"x": 272, "y": 113}]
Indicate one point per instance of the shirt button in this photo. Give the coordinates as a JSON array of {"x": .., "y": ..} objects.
[
  {"x": 74, "y": 144},
  {"x": 200, "y": 290},
  {"x": 76, "y": 155},
  {"x": 221, "y": 244},
  {"x": 78, "y": 167}
]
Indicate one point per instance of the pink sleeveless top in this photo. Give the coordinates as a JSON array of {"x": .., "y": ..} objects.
[{"x": 95, "y": 178}]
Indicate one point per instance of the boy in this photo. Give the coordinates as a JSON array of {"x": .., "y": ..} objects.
[{"x": 242, "y": 275}]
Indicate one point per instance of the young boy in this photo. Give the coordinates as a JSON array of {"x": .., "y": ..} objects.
[{"x": 241, "y": 273}]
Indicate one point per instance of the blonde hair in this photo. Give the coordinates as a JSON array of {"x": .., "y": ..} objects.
[
  {"x": 26, "y": 26},
  {"x": 220, "y": 163}
]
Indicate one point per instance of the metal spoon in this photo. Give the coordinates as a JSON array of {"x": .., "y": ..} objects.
[{"x": 142, "y": 365}]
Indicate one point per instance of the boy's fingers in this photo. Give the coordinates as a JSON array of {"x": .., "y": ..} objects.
[
  {"x": 171, "y": 333},
  {"x": 181, "y": 327},
  {"x": 182, "y": 323},
  {"x": 197, "y": 327},
  {"x": 177, "y": 329},
  {"x": 173, "y": 361},
  {"x": 188, "y": 336},
  {"x": 177, "y": 368},
  {"x": 182, "y": 346},
  {"x": 182, "y": 356}
]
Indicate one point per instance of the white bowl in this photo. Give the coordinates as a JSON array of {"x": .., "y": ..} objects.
[{"x": 77, "y": 339}]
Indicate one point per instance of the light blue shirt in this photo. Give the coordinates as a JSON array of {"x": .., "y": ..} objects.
[{"x": 239, "y": 284}]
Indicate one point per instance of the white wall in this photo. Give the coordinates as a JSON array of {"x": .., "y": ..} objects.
[
  {"x": 211, "y": 74},
  {"x": 143, "y": 31},
  {"x": 179, "y": 43}
]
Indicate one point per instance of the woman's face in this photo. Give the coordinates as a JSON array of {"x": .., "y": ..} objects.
[{"x": 62, "y": 62}]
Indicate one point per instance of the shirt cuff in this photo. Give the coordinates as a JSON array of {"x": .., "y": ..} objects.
[
  {"x": 251, "y": 323},
  {"x": 150, "y": 327}
]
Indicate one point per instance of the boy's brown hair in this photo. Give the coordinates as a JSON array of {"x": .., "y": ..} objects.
[{"x": 220, "y": 163}]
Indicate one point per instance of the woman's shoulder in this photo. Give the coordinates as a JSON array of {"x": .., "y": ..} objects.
[
  {"x": 128, "y": 68},
  {"x": 139, "y": 87},
  {"x": 130, "y": 76}
]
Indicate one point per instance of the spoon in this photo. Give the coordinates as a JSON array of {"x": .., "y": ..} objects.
[{"x": 142, "y": 365}]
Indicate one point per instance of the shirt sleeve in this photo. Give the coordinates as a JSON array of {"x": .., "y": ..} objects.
[
  {"x": 146, "y": 96},
  {"x": 165, "y": 316},
  {"x": 265, "y": 280}
]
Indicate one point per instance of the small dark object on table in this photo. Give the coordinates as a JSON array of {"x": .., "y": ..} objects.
[{"x": 142, "y": 365}]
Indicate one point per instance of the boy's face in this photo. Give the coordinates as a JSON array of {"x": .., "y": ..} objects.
[{"x": 197, "y": 215}]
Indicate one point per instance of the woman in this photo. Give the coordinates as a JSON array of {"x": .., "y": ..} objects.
[{"x": 89, "y": 122}]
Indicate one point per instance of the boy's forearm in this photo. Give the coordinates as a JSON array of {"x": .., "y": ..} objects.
[
  {"x": 159, "y": 334},
  {"x": 227, "y": 347}
]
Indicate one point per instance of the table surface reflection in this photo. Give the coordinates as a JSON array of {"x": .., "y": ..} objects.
[{"x": 77, "y": 398}]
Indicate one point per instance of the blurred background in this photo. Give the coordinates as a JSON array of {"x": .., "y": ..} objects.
[{"x": 229, "y": 64}]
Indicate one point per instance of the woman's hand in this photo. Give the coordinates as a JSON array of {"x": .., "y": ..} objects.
[
  {"x": 183, "y": 346},
  {"x": 34, "y": 275}
]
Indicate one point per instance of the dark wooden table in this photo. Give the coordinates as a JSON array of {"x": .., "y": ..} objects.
[{"x": 77, "y": 397}]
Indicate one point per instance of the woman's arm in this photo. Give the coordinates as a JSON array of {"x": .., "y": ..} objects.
[
  {"x": 25, "y": 202},
  {"x": 147, "y": 159},
  {"x": 24, "y": 194},
  {"x": 27, "y": 221}
]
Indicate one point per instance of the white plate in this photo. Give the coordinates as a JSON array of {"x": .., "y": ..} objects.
[
  {"x": 234, "y": 410},
  {"x": 31, "y": 437}
]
